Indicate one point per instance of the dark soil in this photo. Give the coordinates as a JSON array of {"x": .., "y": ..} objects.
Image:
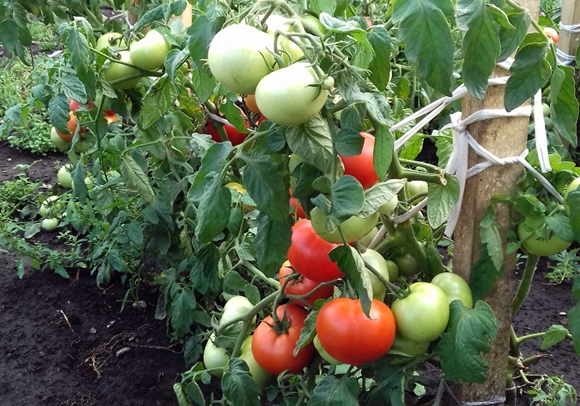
[{"x": 67, "y": 342}]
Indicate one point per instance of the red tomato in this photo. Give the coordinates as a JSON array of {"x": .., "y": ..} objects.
[
  {"x": 297, "y": 208},
  {"x": 308, "y": 254},
  {"x": 351, "y": 337},
  {"x": 72, "y": 126},
  {"x": 361, "y": 166},
  {"x": 552, "y": 33},
  {"x": 303, "y": 286},
  {"x": 273, "y": 351},
  {"x": 74, "y": 105},
  {"x": 236, "y": 137}
]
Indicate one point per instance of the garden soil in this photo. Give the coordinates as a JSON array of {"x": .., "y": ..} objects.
[{"x": 68, "y": 342}]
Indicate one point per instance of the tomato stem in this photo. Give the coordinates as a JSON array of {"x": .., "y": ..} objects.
[
  {"x": 525, "y": 283},
  {"x": 258, "y": 307}
]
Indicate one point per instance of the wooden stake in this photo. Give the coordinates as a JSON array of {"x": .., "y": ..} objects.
[
  {"x": 504, "y": 137},
  {"x": 569, "y": 42}
]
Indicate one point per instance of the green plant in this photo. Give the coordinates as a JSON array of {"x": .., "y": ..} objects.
[
  {"x": 566, "y": 267},
  {"x": 552, "y": 391}
]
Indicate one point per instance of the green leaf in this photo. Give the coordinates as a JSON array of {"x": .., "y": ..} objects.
[
  {"x": 332, "y": 391},
  {"x": 573, "y": 204},
  {"x": 379, "y": 194},
  {"x": 311, "y": 142},
  {"x": 442, "y": 199},
  {"x": 180, "y": 394},
  {"x": 59, "y": 112},
  {"x": 11, "y": 38},
  {"x": 238, "y": 386},
  {"x": 213, "y": 209},
  {"x": 73, "y": 88},
  {"x": 157, "y": 101},
  {"x": 134, "y": 232},
  {"x": 491, "y": 238},
  {"x": 427, "y": 36},
  {"x": 323, "y": 6},
  {"x": 135, "y": 177},
  {"x": 266, "y": 187},
  {"x": 203, "y": 84},
  {"x": 564, "y": 108},
  {"x": 576, "y": 287},
  {"x": 271, "y": 243},
  {"x": 308, "y": 331},
  {"x": 182, "y": 306},
  {"x": 480, "y": 46},
  {"x": 553, "y": 336},
  {"x": 200, "y": 34},
  {"x": 484, "y": 275},
  {"x": 467, "y": 337},
  {"x": 559, "y": 223},
  {"x": 510, "y": 39},
  {"x": 530, "y": 72},
  {"x": 78, "y": 46},
  {"x": 155, "y": 14},
  {"x": 352, "y": 265},
  {"x": 347, "y": 198},
  {"x": 348, "y": 142},
  {"x": 204, "y": 273},
  {"x": 574, "y": 326},
  {"x": 214, "y": 160},
  {"x": 383, "y": 151},
  {"x": 380, "y": 66}
]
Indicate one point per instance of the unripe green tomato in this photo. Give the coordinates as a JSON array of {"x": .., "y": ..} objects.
[
  {"x": 416, "y": 187},
  {"x": 118, "y": 71},
  {"x": 215, "y": 357},
  {"x": 64, "y": 177},
  {"x": 546, "y": 110},
  {"x": 259, "y": 375},
  {"x": 353, "y": 228},
  {"x": 407, "y": 265},
  {"x": 455, "y": 287},
  {"x": 378, "y": 262},
  {"x": 390, "y": 206},
  {"x": 110, "y": 39},
  {"x": 572, "y": 186},
  {"x": 313, "y": 24},
  {"x": 393, "y": 271},
  {"x": 236, "y": 307},
  {"x": 149, "y": 52},
  {"x": 289, "y": 51},
  {"x": 323, "y": 353},
  {"x": 535, "y": 244},
  {"x": 49, "y": 205},
  {"x": 408, "y": 348},
  {"x": 49, "y": 224},
  {"x": 58, "y": 142},
  {"x": 367, "y": 238}
]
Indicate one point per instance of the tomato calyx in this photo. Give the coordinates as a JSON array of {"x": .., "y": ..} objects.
[{"x": 280, "y": 325}]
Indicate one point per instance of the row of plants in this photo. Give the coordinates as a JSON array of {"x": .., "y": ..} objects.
[{"x": 250, "y": 158}]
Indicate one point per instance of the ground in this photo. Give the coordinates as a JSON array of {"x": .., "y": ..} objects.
[{"x": 68, "y": 343}]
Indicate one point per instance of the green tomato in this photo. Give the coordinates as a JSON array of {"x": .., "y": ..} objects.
[
  {"x": 423, "y": 315},
  {"x": 64, "y": 177},
  {"x": 313, "y": 24},
  {"x": 239, "y": 56},
  {"x": 407, "y": 265},
  {"x": 259, "y": 375},
  {"x": 367, "y": 238},
  {"x": 215, "y": 357},
  {"x": 49, "y": 224},
  {"x": 393, "y": 271},
  {"x": 408, "y": 348},
  {"x": 378, "y": 262},
  {"x": 290, "y": 52},
  {"x": 290, "y": 96},
  {"x": 546, "y": 110},
  {"x": 390, "y": 206},
  {"x": 353, "y": 229},
  {"x": 110, "y": 40},
  {"x": 323, "y": 353},
  {"x": 536, "y": 239},
  {"x": 119, "y": 71},
  {"x": 149, "y": 52},
  {"x": 236, "y": 307},
  {"x": 572, "y": 186},
  {"x": 49, "y": 205},
  {"x": 416, "y": 187},
  {"x": 455, "y": 287},
  {"x": 58, "y": 142}
]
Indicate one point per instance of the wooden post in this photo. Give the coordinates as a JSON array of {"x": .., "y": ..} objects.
[
  {"x": 569, "y": 42},
  {"x": 504, "y": 137}
]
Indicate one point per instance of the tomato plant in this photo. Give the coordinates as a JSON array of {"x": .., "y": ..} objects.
[
  {"x": 422, "y": 315},
  {"x": 303, "y": 286},
  {"x": 149, "y": 52},
  {"x": 361, "y": 166},
  {"x": 406, "y": 265},
  {"x": 308, "y": 254},
  {"x": 273, "y": 344},
  {"x": 455, "y": 287},
  {"x": 349, "y": 336},
  {"x": 538, "y": 240}
]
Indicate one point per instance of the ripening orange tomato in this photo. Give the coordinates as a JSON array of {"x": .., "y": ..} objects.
[{"x": 552, "y": 33}]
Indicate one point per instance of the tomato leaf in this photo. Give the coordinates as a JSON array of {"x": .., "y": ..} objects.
[
  {"x": 311, "y": 141},
  {"x": 576, "y": 288},
  {"x": 214, "y": 160},
  {"x": 348, "y": 142},
  {"x": 213, "y": 209},
  {"x": 183, "y": 399},
  {"x": 323, "y": 6},
  {"x": 510, "y": 39},
  {"x": 390, "y": 388},
  {"x": 380, "y": 66},
  {"x": 266, "y": 187},
  {"x": 490, "y": 237},
  {"x": 347, "y": 198},
  {"x": 308, "y": 331},
  {"x": 12, "y": 38},
  {"x": 73, "y": 88},
  {"x": 573, "y": 204},
  {"x": 530, "y": 72},
  {"x": 154, "y": 14},
  {"x": 158, "y": 99},
  {"x": 78, "y": 46},
  {"x": 383, "y": 151},
  {"x": 553, "y": 336},
  {"x": 203, "y": 274},
  {"x": 442, "y": 199},
  {"x": 559, "y": 223},
  {"x": 468, "y": 336},
  {"x": 200, "y": 34},
  {"x": 136, "y": 178},
  {"x": 379, "y": 194},
  {"x": 182, "y": 305},
  {"x": 574, "y": 325},
  {"x": 352, "y": 265},
  {"x": 271, "y": 243},
  {"x": 427, "y": 36},
  {"x": 351, "y": 119},
  {"x": 480, "y": 46},
  {"x": 563, "y": 103},
  {"x": 332, "y": 391},
  {"x": 484, "y": 275},
  {"x": 238, "y": 385},
  {"x": 59, "y": 112}
]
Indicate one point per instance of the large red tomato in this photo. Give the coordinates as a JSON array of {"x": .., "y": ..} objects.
[
  {"x": 236, "y": 137},
  {"x": 349, "y": 336},
  {"x": 361, "y": 166},
  {"x": 303, "y": 286},
  {"x": 308, "y": 254},
  {"x": 273, "y": 351}
]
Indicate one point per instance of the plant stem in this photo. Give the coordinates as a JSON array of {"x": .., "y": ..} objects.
[{"x": 525, "y": 283}]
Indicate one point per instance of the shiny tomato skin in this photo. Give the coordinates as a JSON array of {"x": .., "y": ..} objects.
[
  {"x": 361, "y": 166},
  {"x": 537, "y": 244},
  {"x": 455, "y": 287},
  {"x": 236, "y": 137},
  {"x": 273, "y": 351},
  {"x": 552, "y": 34},
  {"x": 351, "y": 337},
  {"x": 308, "y": 254},
  {"x": 303, "y": 286},
  {"x": 72, "y": 127}
]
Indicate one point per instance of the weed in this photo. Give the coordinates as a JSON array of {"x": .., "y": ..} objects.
[
  {"x": 566, "y": 267},
  {"x": 553, "y": 391}
]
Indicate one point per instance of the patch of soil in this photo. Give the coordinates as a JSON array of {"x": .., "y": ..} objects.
[{"x": 67, "y": 342}]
